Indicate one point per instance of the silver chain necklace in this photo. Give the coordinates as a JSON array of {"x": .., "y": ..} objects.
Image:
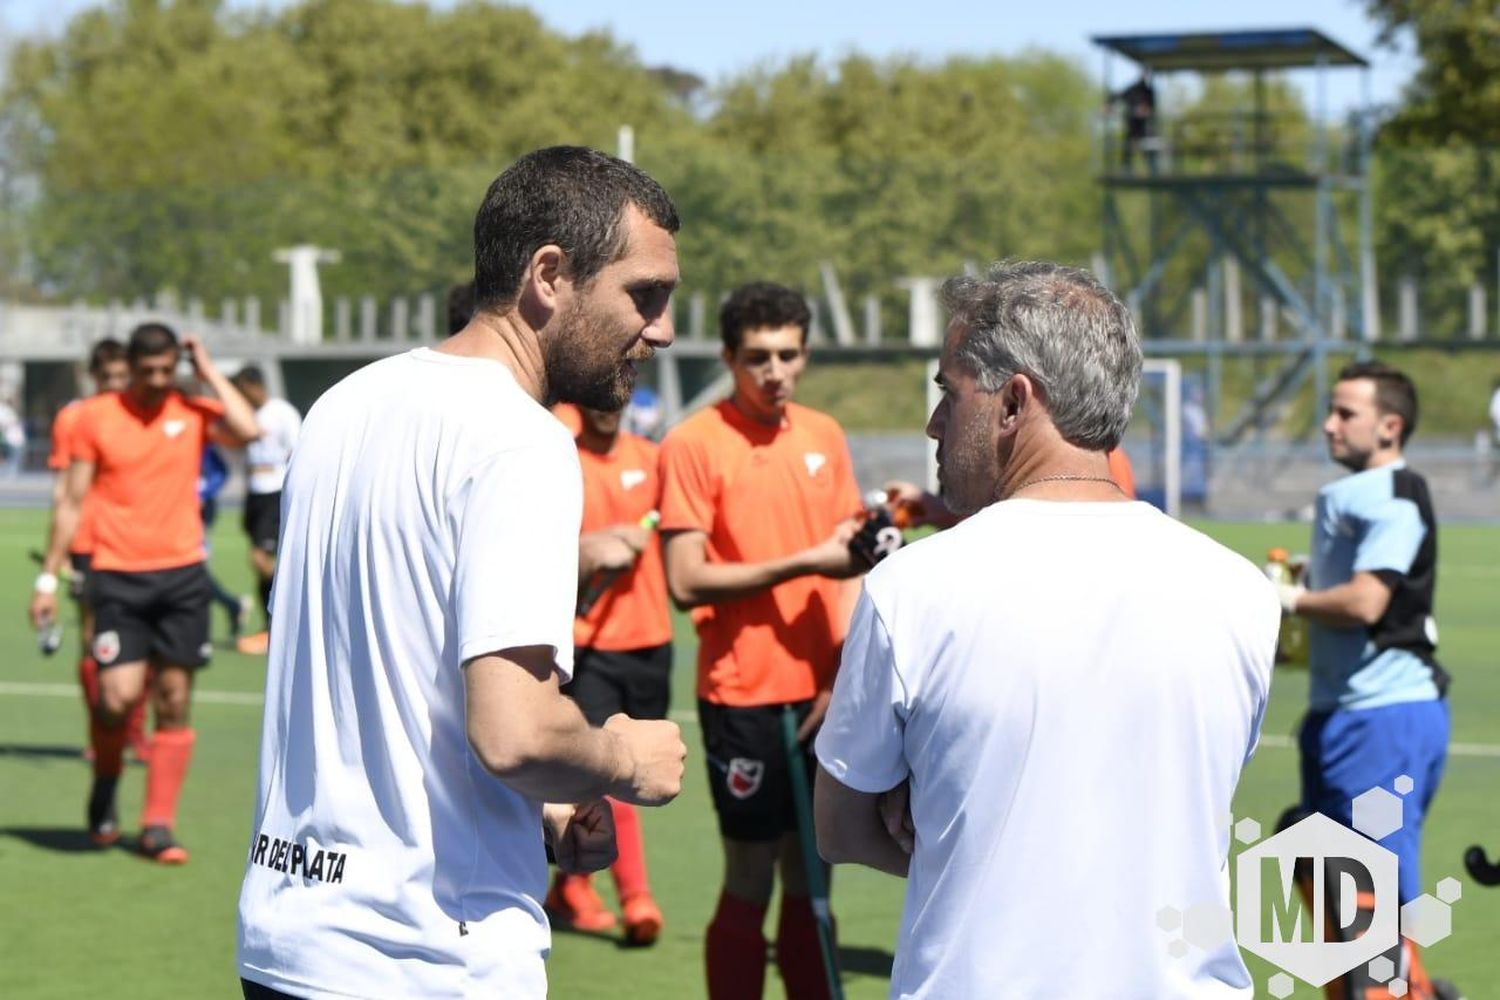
[{"x": 1064, "y": 479}]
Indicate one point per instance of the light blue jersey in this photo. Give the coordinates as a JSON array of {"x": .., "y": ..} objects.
[{"x": 1378, "y": 521}]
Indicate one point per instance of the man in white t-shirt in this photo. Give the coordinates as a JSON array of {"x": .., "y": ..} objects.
[
  {"x": 265, "y": 472},
  {"x": 1063, "y": 688},
  {"x": 414, "y": 728}
]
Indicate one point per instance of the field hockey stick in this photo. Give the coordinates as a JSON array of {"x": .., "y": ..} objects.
[
  {"x": 817, "y": 886},
  {"x": 1481, "y": 869}
]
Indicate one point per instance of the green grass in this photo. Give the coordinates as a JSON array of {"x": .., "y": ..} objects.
[{"x": 82, "y": 923}]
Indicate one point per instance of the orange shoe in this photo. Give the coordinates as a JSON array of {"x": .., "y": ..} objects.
[
  {"x": 253, "y": 645},
  {"x": 642, "y": 921},
  {"x": 572, "y": 902},
  {"x": 158, "y": 844}
]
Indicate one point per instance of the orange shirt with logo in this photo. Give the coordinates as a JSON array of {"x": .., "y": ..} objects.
[
  {"x": 145, "y": 489},
  {"x": 622, "y": 488},
  {"x": 64, "y": 428},
  {"x": 761, "y": 493}
]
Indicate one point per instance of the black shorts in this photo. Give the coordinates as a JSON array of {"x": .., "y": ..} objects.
[
  {"x": 263, "y": 520},
  {"x": 748, "y": 769},
  {"x": 637, "y": 682},
  {"x": 160, "y": 616},
  {"x": 79, "y": 579}
]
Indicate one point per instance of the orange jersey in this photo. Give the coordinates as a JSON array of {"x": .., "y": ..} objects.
[
  {"x": 622, "y": 488},
  {"x": 64, "y": 429},
  {"x": 762, "y": 493},
  {"x": 145, "y": 489},
  {"x": 1121, "y": 473}
]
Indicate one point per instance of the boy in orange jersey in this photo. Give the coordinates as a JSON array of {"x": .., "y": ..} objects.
[
  {"x": 623, "y": 639},
  {"x": 110, "y": 372},
  {"x": 136, "y": 459},
  {"x": 758, "y": 508}
]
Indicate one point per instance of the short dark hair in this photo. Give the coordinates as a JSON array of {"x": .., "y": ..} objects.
[
  {"x": 761, "y": 305},
  {"x": 1394, "y": 391},
  {"x": 105, "y": 352},
  {"x": 460, "y": 306},
  {"x": 150, "y": 339},
  {"x": 571, "y": 196},
  {"x": 250, "y": 375}
]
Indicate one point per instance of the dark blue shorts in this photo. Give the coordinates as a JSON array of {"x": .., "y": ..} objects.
[{"x": 1349, "y": 751}]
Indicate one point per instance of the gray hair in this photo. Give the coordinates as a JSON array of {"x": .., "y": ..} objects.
[{"x": 1064, "y": 330}]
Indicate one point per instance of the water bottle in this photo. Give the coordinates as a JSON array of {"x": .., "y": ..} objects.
[
  {"x": 49, "y": 636},
  {"x": 1291, "y": 640}
]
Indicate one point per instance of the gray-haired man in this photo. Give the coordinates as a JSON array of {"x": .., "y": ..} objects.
[{"x": 1065, "y": 686}]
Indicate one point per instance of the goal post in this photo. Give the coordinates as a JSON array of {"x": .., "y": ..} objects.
[{"x": 1153, "y": 441}]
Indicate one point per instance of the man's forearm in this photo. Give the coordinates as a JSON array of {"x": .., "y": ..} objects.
[
  {"x": 1347, "y": 605},
  {"x": 716, "y": 583},
  {"x": 239, "y": 416},
  {"x": 562, "y": 758},
  {"x": 60, "y": 535},
  {"x": 863, "y": 840}
]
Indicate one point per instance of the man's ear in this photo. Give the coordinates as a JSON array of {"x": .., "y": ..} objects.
[
  {"x": 542, "y": 284},
  {"x": 1015, "y": 396}
]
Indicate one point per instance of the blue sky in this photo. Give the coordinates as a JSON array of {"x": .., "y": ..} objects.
[{"x": 715, "y": 39}]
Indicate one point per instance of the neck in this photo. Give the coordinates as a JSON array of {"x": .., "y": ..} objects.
[
  {"x": 1380, "y": 458},
  {"x": 767, "y": 418},
  {"x": 599, "y": 444},
  {"x": 506, "y": 338},
  {"x": 1059, "y": 473}
]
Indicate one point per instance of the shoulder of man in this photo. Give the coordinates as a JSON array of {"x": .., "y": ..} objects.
[{"x": 816, "y": 421}]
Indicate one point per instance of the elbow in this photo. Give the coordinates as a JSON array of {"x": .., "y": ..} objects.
[
  {"x": 830, "y": 848},
  {"x": 684, "y": 598},
  {"x": 506, "y": 757}
]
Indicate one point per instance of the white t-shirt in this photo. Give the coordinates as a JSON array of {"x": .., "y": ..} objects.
[
  {"x": 432, "y": 512},
  {"x": 267, "y": 456},
  {"x": 1073, "y": 689}
]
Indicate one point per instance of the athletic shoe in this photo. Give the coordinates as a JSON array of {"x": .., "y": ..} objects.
[
  {"x": 573, "y": 903},
  {"x": 158, "y": 844},
  {"x": 253, "y": 645},
  {"x": 104, "y": 825},
  {"x": 642, "y": 921}
]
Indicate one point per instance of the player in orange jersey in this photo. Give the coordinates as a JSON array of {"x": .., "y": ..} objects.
[
  {"x": 110, "y": 373},
  {"x": 623, "y": 639},
  {"x": 758, "y": 508},
  {"x": 136, "y": 458}
]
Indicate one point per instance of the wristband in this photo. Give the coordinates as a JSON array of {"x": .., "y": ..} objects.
[{"x": 46, "y": 583}]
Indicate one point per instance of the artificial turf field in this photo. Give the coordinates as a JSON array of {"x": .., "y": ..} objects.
[{"x": 79, "y": 922}]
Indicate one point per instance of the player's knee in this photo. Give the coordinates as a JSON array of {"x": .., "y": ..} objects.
[{"x": 750, "y": 869}]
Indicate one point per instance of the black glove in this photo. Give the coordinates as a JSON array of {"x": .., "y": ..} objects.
[{"x": 877, "y": 538}]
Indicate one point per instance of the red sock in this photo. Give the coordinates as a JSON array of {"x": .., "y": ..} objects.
[
  {"x": 629, "y": 868},
  {"x": 109, "y": 748},
  {"x": 799, "y": 955},
  {"x": 735, "y": 950},
  {"x": 171, "y": 750}
]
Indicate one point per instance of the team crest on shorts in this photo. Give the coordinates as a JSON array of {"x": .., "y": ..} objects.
[
  {"x": 744, "y": 777},
  {"x": 107, "y": 646}
]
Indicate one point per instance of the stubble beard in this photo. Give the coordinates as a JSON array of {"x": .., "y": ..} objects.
[{"x": 583, "y": 364}]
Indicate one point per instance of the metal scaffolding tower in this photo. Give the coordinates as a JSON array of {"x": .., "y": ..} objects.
[{"x": 1194, "y": 199}]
